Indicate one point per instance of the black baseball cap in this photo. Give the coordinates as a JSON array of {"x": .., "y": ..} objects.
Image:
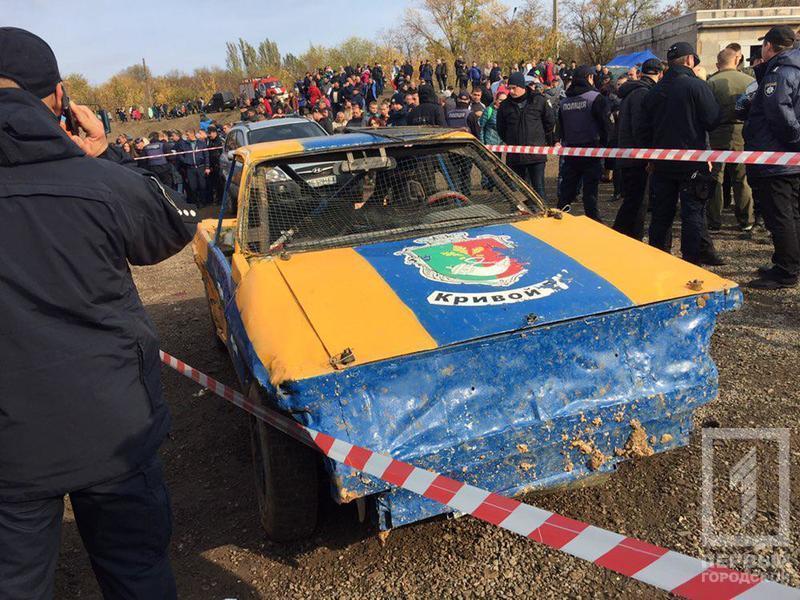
[
  {"x": 463, "y": 96},
  {"x": 583, "y": 72},
  {"x": 652, "y": 66},
  {"x": 682, "y": 49},
  {"x": 28, "y": 60},
  {"x": 780, "y": 36}
]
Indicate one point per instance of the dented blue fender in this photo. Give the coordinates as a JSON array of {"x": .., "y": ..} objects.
[{"x": 528, "y": 409}]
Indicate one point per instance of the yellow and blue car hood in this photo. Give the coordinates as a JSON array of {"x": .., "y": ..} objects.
[{"x": 396, "y": 298}]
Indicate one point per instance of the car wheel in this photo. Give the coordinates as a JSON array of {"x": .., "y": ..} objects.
[{"x": 286, "y": 481}]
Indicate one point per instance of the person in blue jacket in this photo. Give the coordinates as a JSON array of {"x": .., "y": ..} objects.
[
  {"x": 773, "y": 123},
  {"x": 205, "y": 122},
  {"x": 475, "y": 75}
]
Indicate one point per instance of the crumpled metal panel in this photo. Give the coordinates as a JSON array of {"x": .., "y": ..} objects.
[
  {"x": 525, "y": 410},
  {"x": 530, "y": 409}
]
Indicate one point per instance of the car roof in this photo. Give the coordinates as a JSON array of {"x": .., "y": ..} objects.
[
  {"x": 271, "y": 123},
  {"x": 360, "y": 137}
]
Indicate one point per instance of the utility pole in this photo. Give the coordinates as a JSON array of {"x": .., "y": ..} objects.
[
  {"x": 147, "y": 83},
  {"x": 555, "y": 26}
]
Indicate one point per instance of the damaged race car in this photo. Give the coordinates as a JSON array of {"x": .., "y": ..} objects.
[{"x": 405, "y": 291}]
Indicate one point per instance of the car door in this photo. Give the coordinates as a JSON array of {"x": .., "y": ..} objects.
[{"x": 234, "y": 141}]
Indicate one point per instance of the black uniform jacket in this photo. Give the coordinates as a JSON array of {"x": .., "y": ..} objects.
[
  {"x": 80, "y": 389},
  {"x": 679, "y": 111}
]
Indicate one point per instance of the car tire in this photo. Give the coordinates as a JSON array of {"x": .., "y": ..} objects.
[{"x": 286, "y": 474}]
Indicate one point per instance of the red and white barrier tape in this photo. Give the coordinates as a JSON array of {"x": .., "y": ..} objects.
[
  {"x": 177, "y": 153},
  {"x": 677, "y": 573},
  {"x": 748, "y": 157}
]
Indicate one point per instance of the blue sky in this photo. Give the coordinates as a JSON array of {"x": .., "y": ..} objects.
[{"x": 99, "y": 38}]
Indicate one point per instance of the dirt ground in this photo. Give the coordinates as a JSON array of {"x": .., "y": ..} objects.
[
  {"x": 219, "y": 551},
  {"x": 143, "y": 128}
]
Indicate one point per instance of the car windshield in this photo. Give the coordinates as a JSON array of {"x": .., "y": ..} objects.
[
  {"x": 285, "y": 131},
  {"x": 349, "y": 198}
]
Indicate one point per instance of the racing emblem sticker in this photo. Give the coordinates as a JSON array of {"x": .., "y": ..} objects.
[
  {"x": 457, "y": 258},
  {"x": 770, "y": 88}
]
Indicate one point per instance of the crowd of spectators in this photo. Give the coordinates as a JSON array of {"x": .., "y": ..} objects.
[
  {"x": 157, "y": 112},
  {"x": 658, "y": 103},
  {"x": 187, "y": 160}
]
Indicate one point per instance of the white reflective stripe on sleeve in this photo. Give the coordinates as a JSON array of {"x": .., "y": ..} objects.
[
  {"x": 468, "y": 498},
  {"x": 591, "y": 543},
  {"x": 671, "y": 570},
  {"x": 524, "y": 519}
]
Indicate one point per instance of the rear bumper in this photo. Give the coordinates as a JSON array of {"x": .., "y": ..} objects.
[{"x": 527, "y": 410}]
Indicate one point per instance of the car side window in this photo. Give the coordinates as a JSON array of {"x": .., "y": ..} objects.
[{"x": 240, "y": 139}]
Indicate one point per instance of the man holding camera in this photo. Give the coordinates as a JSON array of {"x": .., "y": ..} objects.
[{"x": 81, "y": 409}]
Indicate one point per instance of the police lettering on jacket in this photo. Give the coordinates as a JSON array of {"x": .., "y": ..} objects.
[
  {"x": 580, "y": 126},
  {"x": 155, "y": 150},
  {"x": 457, "y": 117}
]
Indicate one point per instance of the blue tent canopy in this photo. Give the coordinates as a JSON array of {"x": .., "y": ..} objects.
[{"x": 631, "y": 60}]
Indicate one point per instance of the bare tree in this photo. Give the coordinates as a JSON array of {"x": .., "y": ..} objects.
[
  {"x": 597, "y": 24},
  {"x": 249, "y": 57},
  {"x": 511, "y": 36},
  {"x": 408, "y": 42},
  {"x": 269, "y": 57},
  {"x": 691, "y": 5},
  {"x": 232, "y": 59},
  {"x": 448, "y": 24}
]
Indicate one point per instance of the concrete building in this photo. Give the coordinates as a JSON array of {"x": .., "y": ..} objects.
[{"x": 710, "y": 31}]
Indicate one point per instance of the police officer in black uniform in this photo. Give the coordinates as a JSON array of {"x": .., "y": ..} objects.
[
  {"x": 773, "y": 124},
  {"x": 633, "y": 173},
  {"x": 81, "y": 409},
  {"x": 584, "y": 120},
  {"x": 680, "y": 111},
  {"x": 155, "y": 152}
]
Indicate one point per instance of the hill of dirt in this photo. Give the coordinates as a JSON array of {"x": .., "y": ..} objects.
[{"x": 143, "y": 128}]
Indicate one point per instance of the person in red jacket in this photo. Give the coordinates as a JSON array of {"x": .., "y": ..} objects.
[
  {"x": 549, "y": 71},
  {"x": 267, "y": 107},
  {"x": 314, "y": 93}
]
